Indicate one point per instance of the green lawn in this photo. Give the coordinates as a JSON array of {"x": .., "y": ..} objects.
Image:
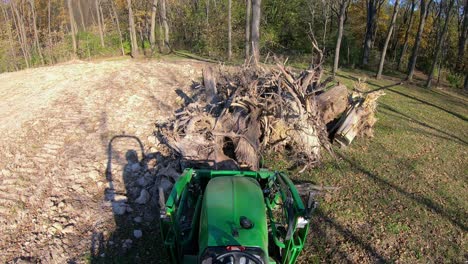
[{"x": 404, "y": 195}]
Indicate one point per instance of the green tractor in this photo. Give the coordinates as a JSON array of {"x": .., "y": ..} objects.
[{"x": 236, "y": 217}]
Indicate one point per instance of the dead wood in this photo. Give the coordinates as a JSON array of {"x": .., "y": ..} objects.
[
  {"x": 333, "y": 103},
  {"x": 246, "y": 113}
]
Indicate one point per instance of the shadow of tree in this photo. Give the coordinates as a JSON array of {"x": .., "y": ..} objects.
[
  {"x": 458, "y": 115},
  {"x": 399, "y": 114},
  {"x": 327, "y": 235},
  {"x": 449, "y": 215}
]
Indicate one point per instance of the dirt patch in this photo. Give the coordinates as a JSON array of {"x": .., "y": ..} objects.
[{"x": 56, "y": 124}]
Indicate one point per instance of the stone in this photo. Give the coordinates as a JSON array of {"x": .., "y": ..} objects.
[
  {"x": 6, "y": 173},
  {"x": 120, "y": 198},
  {"x": 149, "y": 216},
  {"x": 119, "y": 208},
  {"x": 137, "y": 219},
  {"x": 133, "y": 192},
  {"x": 135, "y": 167},
  {"x": 146, "y": 180},
  {"x": 58, "y": 226},
  {"x": 94, "y": 175},
  {"x": 169, "y": 172},
  {"x": 143, "y": 198},
  {"x": 127, "y": 244},
  {"x": 137, "y": 233},
  {"x": 166, "y": 185},
  {"x": 69, "y": 229}
]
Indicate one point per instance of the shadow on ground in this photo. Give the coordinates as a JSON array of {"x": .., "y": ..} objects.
[{"x": 136, "y": 237}]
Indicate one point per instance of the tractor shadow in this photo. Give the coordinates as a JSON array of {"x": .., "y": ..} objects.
[{"x": 136, "y": 236}]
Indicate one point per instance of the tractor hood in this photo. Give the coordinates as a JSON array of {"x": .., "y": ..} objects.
[{"x": 233, "y": 214}]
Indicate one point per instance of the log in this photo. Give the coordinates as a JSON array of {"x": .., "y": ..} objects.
[
  {"x": 209, "y": 81},
  {"x": 350, "y": 127},
  {"x": 333, "y": 103}
]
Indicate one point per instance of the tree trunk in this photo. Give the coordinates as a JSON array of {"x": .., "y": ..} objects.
[
  {"x": 462, "y": 40},
  {"x": 408, "y": 29},
  {"x": 325, "y": 23},
  {"x": 103, "y": 22},
  {"x": 117, "y": 22},
  {"x": 465, "y": 85},
  {"x": 341, "y": 18},
  {"x": 72, "y": 27},
  {"x": 439, "y": 44},
  {"x": 49, "y": 19},
  {"x": 153, "y": 25},
  {"x": 207, "y": 10},
  {"x": 333, "y": 103},
  {"x": 165, "y": 25},
  {"x": 229, "y": 30},
  {"x": 99, "y": 20},
  {"x": 131, "y": 25},
  {"x": 80, "y": 10},
  {"x": 414, "y": 55},
  {"x": 17, "y": 18},
  {"x": 387, "y": 40},
  {"x": 370, "y": 29},
  {"x": 255, "y": 38},
  {"x": 10, "y": 36},
  {"x": 248, "y": 15},
  {"x": 36, "y": 34}
]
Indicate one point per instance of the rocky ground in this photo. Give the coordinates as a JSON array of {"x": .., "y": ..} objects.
[{"x": 57, "y": 204}]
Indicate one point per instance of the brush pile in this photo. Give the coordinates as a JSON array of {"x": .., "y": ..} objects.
[{"x": 236, "y": 117}]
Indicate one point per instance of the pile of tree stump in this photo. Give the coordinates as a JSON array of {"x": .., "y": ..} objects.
[{"x": 238, "y": 116}]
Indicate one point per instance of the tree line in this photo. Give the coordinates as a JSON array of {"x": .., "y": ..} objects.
[{"x": 408, "y": 36}]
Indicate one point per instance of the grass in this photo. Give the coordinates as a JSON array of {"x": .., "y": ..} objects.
[{"x": 403, "y": 193}]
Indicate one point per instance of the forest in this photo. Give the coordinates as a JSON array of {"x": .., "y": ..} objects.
[{"x": 428, "y": 36}]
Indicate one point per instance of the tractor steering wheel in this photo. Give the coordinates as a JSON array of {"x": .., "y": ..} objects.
[{"x": 236, "y": 257}]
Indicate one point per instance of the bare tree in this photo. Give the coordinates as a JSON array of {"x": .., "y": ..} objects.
[
  {"x": 80, "y": 10},
  {"x": 373, "y": 6},
  {"x": 103, "y": 22},
  {"x": 424, "y": 6},
  {"x": 342, "y": 9},
  {"x": 207, "y": 11},
  {"x": 255, "y": 37},
  {"x": 387, "y": 40},
  {"x": 10, "y": 36},
  {"x": 248, "y": 15},
  {"x": 132, "y": 30},
  {"x": 407, "y": 33},
  {"x": 229, "y": 30},
  {"x": 101, "y": 30},
  {"x": 326, "y": 9},
  {"x": 72, "y": 27},
  {"x": 163, "y": 13},
  {"x": 36, "y": 34},
  {"x": 22, "y": 39},
  {"x": 153, "y": 25},
  {"x": 440, "y": 37},
  {"x": 117, "y": 23}
]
